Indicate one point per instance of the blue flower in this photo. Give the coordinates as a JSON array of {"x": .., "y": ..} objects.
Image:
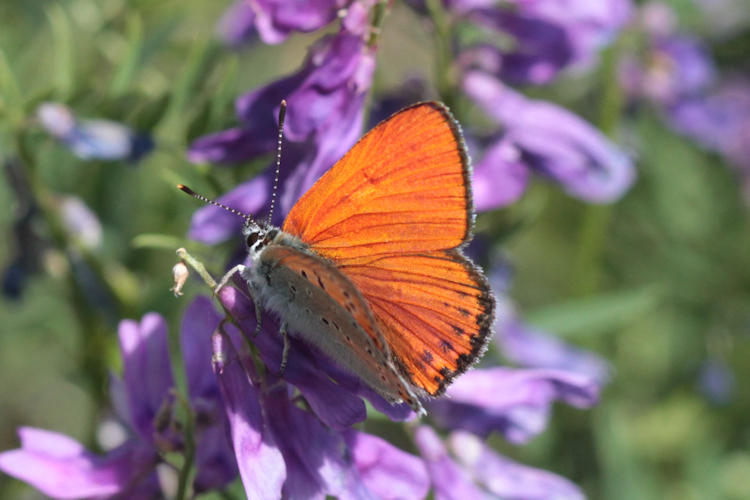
[{"x": 93, "y": 139}]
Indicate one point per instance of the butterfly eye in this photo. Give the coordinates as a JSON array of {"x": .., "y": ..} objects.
[{"x": 251, "y": 239}]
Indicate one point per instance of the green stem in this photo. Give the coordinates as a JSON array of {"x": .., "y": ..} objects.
[
  {"x": 444, "y": 71},
  {"x": 594, "y": 227},
  {"x": 189, "y": 455},
  {"x": 198, "y": 267},
  {"x": 381, "y": 9}
]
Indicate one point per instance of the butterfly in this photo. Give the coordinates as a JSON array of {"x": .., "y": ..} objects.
[{"x": 368, "y": 264}]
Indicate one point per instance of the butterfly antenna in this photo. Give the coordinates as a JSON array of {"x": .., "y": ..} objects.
[
  {"x": 192, "y": 193},
  {"x": 282, "y": 115}
]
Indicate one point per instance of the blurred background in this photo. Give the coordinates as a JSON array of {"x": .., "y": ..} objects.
[{"x": 657, "y": 283}]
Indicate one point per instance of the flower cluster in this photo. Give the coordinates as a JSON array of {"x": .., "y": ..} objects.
[
  {"x": 325, "y": 108},
  {"x": 145, "y": 404},
  {"x": 93, "y": 139},
  {"x": 677, "y": 75},
  {"x": 548, "y": 38}
]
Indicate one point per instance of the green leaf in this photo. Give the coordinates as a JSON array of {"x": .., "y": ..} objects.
[
  {"x": 11, "y": 99},
  {"x": 596, "y": 314},
  {"x": 132, "y": 59},
  {"x": 62, "y": 34},
  {"x": 197, "y": 67},
  {"x": 151, "y": 240}
]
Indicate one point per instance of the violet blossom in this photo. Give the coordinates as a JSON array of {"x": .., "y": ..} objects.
[
  {"x": 284, "y": 450},
  {"x": 677, "y": 67},
  {"x": 275, "y": 20},
  {"x": 93, "y": 139},
  {"x": 527, "y": 346},
  {"x": 60, "y": 467},
  {"x": 324, "y": 119},
  {"x": 549, "y": 141},
  {"x": 676, "y": 74},
  {"x": 474, "y": 470},
  {"x": 505, "y": 478},
  {"x": 547, "y": 36},
  {"x": 514, "y": 402}
]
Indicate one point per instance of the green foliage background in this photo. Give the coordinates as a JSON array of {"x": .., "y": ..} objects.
[{"x": 657, "y": 283}]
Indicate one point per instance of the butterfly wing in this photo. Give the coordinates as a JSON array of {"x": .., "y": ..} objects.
[
  {"x": 434, "y": 309},
  {"x": 404, "y": 187},
  {"x": 391, "y": 215},
  {"x": 325, "y": 307}
]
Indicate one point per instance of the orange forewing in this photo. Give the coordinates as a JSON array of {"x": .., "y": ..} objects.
[
  {"x": 390, "y": 215},
  {"x": 402, "y": 188}
]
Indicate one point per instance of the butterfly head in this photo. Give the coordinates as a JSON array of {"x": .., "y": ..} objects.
[{"x": 257, "y": 236}]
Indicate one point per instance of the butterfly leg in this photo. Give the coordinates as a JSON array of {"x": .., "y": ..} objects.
[
  {"x": 225, "y": 279},
  {"x": 258, "y": 316},
  {"x": 285, "y": 350}
]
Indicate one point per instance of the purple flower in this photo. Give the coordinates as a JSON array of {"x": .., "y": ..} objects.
[
  {"x": 324, "y": 119},
  {"x": 548, "y": 35},
  {"x": 449, "y": 480},
  {"x": 718, "y": 120},
  {"x": 514, "y": 402},
  {"x": 554, "y": 142},
  {"x": 500, "y": 177},
  {"x": 387, "y": 471},
  {"x": 286, "y": 451},
  {"x": 260, "y": 462},
  {"x": 522, "y": 344},
  {"x": 589, "y": 25},
  {"x": 334, "y": 395},
  {"x": 237, "y": 25},
  {"x": 539, "y": 52},
  {"x": 275, "y": 20},
  {"x": 505, "y": 478},
  {"x": 676, "y": 68},
  {"x": 93, "y": 139},
  {"x": 480, "y": 472},
  {"x": 61, "y": 468},
  {"x": 214, "y": 459}
]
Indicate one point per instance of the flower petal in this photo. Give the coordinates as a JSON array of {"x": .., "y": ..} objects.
[
  {"x": 147, "y": 371},
  {"x": 500, "y": 178},
  {"x": 514, "y": 402},
  {"x": 507, "y": 479},
  {"x": 388, "y": 472},
  {"x": 533, "y": 348},
  {"x": 214, "y": 459},
  {"x": 198, "y": 324},
  {"x": 316, "y": 458},
  {"x": 449, "y": 480},
  {"x": 231, "y": 146},
  {"x": 60, "y": 467},
  {"x": 554, "y": 142},
  {"x": 237, "y": 24},
  {"x": 260, "y": 462}
]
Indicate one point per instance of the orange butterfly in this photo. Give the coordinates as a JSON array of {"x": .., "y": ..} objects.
[{"x": 368, "y": 265}]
